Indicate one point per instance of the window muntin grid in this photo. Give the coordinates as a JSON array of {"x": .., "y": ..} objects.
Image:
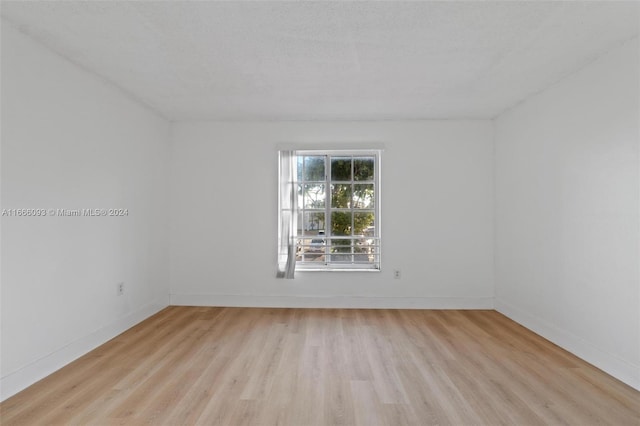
[{"x": 338, "y": 210}]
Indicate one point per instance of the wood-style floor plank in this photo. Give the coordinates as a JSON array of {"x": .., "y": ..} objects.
[{"x": 259, "y": 366}]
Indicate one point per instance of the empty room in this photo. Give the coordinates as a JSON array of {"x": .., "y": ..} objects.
[{"x": 320, "y": 213}]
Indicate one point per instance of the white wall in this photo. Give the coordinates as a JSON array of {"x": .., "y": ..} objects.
[
  {"x": 72, "y": 141},
  {"x": 568, "y": 217},
  {"x": 437, "y": 215}
]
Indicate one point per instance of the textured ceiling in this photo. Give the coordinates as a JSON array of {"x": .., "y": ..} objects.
[{"x": 328, "y": 60}]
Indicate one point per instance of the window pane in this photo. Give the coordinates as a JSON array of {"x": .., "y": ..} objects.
[
  {"x": 363, "y": 246},
  {"x": 300, "y": 196},
  {"x": 341, "y": 168},
  {"x": 314, "y": 196},
  {"x": 363, "y": 168},
  {"x": 341, "y": 246},
  {"x": 341, "y": 196},
  {"x": 340, "y": 223},
  {"x": 363, "y": 196},
  {"x": 313, "y": 168},
  {"x": 362, "y": 221},
  {"x": 300, "y": 225},
  {"x": 313, "y": 223},
  {"x": 317, "y": 252},
  {"x": 314, "y": 248},
  {"x": 299, "y": 167}
]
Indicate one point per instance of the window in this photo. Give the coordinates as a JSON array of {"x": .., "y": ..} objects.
[{"x": 331, "y": 206}]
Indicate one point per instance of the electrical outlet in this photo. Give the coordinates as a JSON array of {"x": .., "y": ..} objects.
[
  {"x": 396, "y": 274},
  {"x": 120, "y": 289}
]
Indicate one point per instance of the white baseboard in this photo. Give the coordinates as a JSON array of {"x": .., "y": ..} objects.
[
  {"x": 355, "y": 302},
  {"x": 18, "y": 380},
  {"x": 620, "y": 369}
]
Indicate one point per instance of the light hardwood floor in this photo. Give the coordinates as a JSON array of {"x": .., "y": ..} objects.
[{"x": 242, "y": 366}]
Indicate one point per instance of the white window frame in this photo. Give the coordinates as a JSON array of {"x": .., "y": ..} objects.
[{"x": 374, "y": 241}]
